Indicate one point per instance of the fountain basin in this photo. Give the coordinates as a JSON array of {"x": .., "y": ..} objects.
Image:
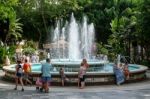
[{"x": 97, "y": 73}]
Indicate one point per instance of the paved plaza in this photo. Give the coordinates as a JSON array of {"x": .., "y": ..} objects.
[{"x": 139, "y": 90}]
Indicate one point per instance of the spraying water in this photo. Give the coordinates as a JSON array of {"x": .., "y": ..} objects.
[
  {"x": 74, "y": 52},
  {"x": 78, "y": 40}
]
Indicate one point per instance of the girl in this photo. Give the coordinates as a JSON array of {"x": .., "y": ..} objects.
[
  {"x": 19, "y": 74},
  {"x": 81, "y": 76},
  {"x": 38, "y": 83},
  {"x": 63, "y": 76}
]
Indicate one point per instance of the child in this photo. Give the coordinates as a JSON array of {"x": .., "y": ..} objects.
[
  {"x": 81, "y": 76},
  {"x": 38, "y": 83},
  {"x": 126, "y": 71},
  {"x": 62, "y": 76}
]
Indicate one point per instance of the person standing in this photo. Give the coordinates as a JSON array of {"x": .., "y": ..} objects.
[
  {"x": 81, "y": 76},
  {"x": 27, "y": 70},
  {"x": 46, "y": 76},
  {"x": 62, "y": 76},
  {"x": 19, "y": 74}
]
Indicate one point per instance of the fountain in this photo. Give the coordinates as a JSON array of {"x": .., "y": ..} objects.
[
  {"x": 79, "y": 38},
  {"x": 69, "y": 45}
]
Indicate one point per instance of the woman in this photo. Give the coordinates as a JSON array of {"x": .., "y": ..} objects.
[
  {"x": 19, "y": 75},
  {"x": 118, "y": 70}
]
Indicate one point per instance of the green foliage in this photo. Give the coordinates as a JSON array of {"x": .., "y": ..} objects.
[
  {"x": 7, "y": 51},
  {"x": 28, "y": 50},
  {"x": 2, "y": 54},
  {"x": 146, "y": 63},
  {"x": 6, "y": 8},
  {"x": 14, "y": 27},
  {"x": 31, "y": 44},
  {"x": 122, "y": 27},
  {"x": 15, "y": 30},
  {"x": 144, "y": 19},
  {"x": 29, "y": 47},
  {"x": 101, "y": 49},
  {"x": 118, "y": 23}
]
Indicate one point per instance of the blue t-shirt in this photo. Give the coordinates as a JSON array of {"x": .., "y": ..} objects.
[{"x": 45, "y": 69}]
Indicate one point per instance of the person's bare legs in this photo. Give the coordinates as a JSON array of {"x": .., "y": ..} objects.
[
  {"x": 21, "y": 83},
  {"x": 43, "y": 86},
  {"x": 128, "y": 76},
  {"x": 46, "y": 87},
  {"x": 79, "y": 83},
  {"x": 82, "y": 85},
  {"x": 16, "y": 81},
  {"x": 62, "y": 82},
  {"x": 28, "y": 81}
]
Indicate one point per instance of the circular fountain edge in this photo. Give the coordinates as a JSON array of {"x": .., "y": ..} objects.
[{"x": 91, "y": 77}]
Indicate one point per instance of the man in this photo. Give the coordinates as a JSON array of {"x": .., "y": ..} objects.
[{"x": 46, "y": 76}]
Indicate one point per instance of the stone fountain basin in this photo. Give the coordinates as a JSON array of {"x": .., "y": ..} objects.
[{"x": 92, "y": 77}]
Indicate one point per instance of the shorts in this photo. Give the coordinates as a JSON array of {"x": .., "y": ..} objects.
[
  {"x": 46, "y": 79},
  {"x": 82, "y": 79},
  {"x": 19, "y": 75}
]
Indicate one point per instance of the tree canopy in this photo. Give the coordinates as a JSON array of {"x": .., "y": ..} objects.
[{"x": 120, "y": 25}]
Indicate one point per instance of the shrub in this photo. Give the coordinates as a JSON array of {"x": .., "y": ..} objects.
[{"x": 28, "y": 50}]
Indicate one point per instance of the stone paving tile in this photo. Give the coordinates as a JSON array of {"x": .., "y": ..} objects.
[
  {"x": 116, "y": 94},
  {"x": 127, "y": 91}
]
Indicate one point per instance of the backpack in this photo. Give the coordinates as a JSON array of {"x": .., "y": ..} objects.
[{"x": 19, "y": 70}]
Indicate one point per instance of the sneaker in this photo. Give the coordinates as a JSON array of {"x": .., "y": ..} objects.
[{"x": 22, "y": 89}]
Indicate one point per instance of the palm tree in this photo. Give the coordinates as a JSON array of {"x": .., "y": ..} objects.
[{"x": 15, "y": 30}]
